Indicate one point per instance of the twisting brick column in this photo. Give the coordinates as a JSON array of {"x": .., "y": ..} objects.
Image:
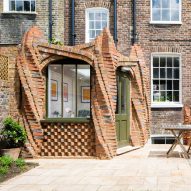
[{"x": 101, "y": 54}]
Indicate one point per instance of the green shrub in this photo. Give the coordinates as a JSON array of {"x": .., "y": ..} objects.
[
  {"x": 6, "y": 161},
  {"x": 13, "y": 133},
  {"x": 3, "y": 170},
  {"x": 20, "y": 163}
]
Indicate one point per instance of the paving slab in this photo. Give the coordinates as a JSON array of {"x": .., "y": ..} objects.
[{"x": 145, "y": 169}]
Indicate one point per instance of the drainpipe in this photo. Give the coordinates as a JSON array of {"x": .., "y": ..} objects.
[
  {"x": 134, "y": 23},
  {"x": 50, "y": 20},
  {"x": 73, "y": 23},
  {"x": 115, "y": 22}
]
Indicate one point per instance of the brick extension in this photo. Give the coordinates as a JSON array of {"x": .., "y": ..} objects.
[{"x": 34, "y": 56}]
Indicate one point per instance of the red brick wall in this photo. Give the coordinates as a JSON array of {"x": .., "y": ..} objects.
[{"x": 101, "y": 54}]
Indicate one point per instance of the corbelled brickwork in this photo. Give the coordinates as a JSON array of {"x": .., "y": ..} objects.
[{"x": 101, "y": 54}]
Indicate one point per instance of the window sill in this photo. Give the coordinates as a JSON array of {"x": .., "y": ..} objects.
[
  {"x": 166, "y": 105},
  {"x": 165, "y": 23},
  {"x": 66, "y": 120},
  {"x": 22, "y": 13}
]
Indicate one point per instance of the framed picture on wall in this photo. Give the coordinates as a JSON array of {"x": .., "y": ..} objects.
[
  {"x": 65, "y": 92},
  {"x": 54, "y": 90},
  {"x": 85, "y": 92}
]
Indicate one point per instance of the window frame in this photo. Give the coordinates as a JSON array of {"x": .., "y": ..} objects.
[
  {"x": 87, "y": 11},
  {"x": 6, "y": 8},
  {"x": 167, "y": 104},
  {"x": 65, "y": 119},
  {"x": 165, "y": 22},
  {"x": 164, "y": 137}
]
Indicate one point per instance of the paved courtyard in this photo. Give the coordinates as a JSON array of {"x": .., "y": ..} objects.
[{"x": 145, "y": 169}]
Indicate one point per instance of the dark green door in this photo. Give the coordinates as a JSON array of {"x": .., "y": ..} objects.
[{"x": 123, "y": 109}]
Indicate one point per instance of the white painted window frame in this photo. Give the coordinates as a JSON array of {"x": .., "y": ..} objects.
[
  {"x": 6, "y": 8},
  {"x": 165, "y": 22},
  {"x": 87, "y": 11},
  {"x": 167, "y": 104}
]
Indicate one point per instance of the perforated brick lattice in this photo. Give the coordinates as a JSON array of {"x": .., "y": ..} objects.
[
  {"x": 3, "y": 67},
  {"x": 68, "y": 140}
]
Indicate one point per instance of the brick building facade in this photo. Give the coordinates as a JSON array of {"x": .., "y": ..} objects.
[{"x": 155, "y": 40}]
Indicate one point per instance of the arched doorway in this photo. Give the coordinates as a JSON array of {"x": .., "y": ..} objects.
[{"x": 123, "y": 109}]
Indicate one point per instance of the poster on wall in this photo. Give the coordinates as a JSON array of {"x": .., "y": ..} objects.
[
  {"x": 85, "y": 94},
  {"x": 65, "y": 91},
  {"x": 54, "y": 90}
]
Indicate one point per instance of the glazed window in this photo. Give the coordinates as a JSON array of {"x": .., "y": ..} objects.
[
  {"x": 68, "y": 91},
  {"x": 20, "y": 6},
  {"x": 166, "y": 11},
  {"x": 96, "y": 20},
  {"x": 166, "y": 80}
]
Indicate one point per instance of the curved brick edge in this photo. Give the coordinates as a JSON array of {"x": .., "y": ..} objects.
[
  {"x": 35, "y": 54},
  {"x": 187, "y": 121}
]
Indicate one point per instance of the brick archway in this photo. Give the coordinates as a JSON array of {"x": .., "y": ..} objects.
[{"x": 101, "y": 54}]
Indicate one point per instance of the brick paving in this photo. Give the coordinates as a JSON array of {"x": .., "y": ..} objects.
[{"x": 145, "y": 169}]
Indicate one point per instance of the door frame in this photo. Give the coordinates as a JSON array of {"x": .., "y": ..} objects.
[{"x": 128, "y": 106}]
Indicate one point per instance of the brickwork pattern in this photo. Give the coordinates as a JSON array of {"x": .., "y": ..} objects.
[
  {"x": 14, "y": 25},
  {"x": 166, "y": 38},
  {"x": 4, "y": 67},
  {"x": 9, "y": 88},
  {"x": 102, "y": 55},
  {"x": 68, "y": 140}
]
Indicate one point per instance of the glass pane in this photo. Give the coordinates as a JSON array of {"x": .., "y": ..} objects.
[
  {"x": 104, "y": 16},
  {"x": 162, "y": 62},
  {"x": 92, "y": 33},
  {"x": 155, "y": 61},
  {"x": 162, "y": 85},
  {"x": 83, "y": 91},
  {"x": 156, "y": 3},
  {"x": 169, "y": 62},
  {"x": 176, "y": 73},
  {"x": 156, "y": 96},
  {"x": 169, "y": 96},
  {"x": 54, "y": 92},
  {"x": 155, "y": 85},
  {"x": 176, "y": 85},
  {"x": 98, "y": 25},
  {"x": 19, "y": 5},
  {"x": 166, "y": 15},
  {"x": 26, "y": 5},
  {"x": 97, "y": 16},
  {"x": 32, "y": 5},
  {"x": 169, "y": 84},
  {"x": 12, "y": 6},
  {"x": 175, "y": 4},
  {"x": 123, "y": 95},
  {"x": 174, "y": 15},
  {"x": 176, "y": 62},
  {"x": 104, "y": 24},
  {"x": 165, "y": 4},
  {"x": 162, "y": 96},
  {"x": 69, "y": 91},
  {"x": 155, "y": 73},
  {"x": 162, "y": 72},
  {"x": 176, "y": 96},
  {"x": 169, "y": 73},
  {"x": 98, "y": 32},
  {"x": 156, "y": 15},
  {"x": 91, "y": 25},
  {"x": 91, "y": 16}
]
